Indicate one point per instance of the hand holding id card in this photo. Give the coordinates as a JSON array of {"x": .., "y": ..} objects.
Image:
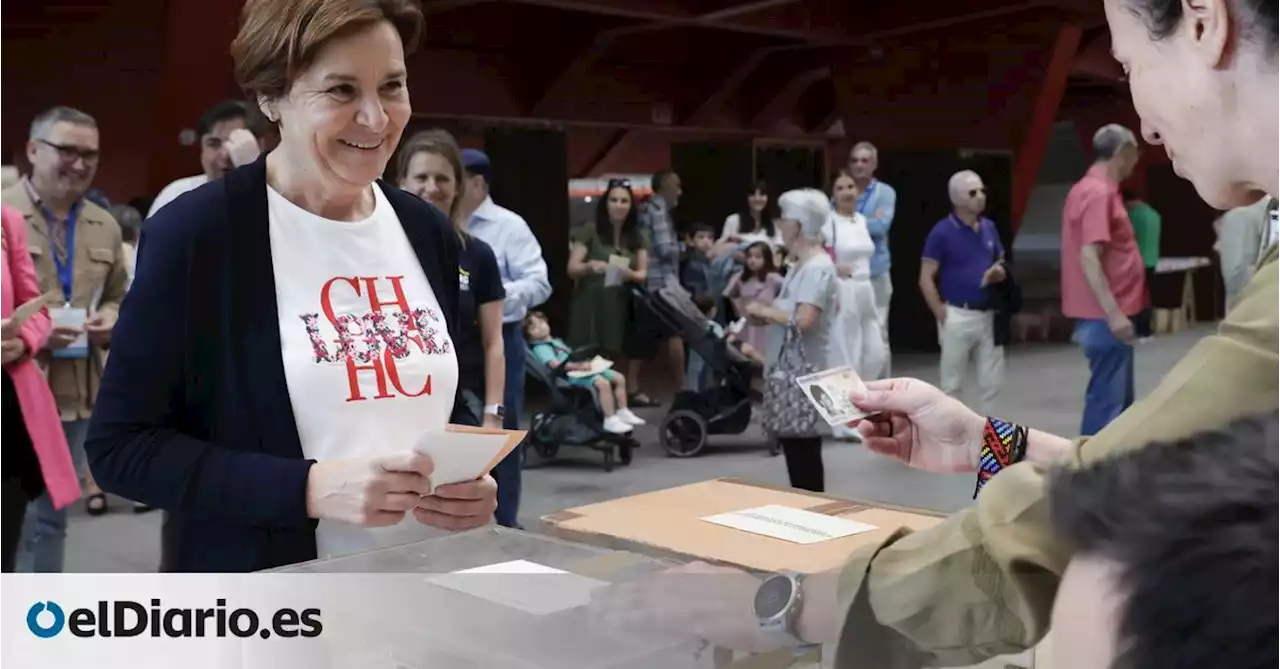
[{"x": 830, "y": 392}]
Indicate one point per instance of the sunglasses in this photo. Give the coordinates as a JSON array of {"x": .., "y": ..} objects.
[
  {"x": 619, "y": 183},
  {"x": 976, "y": 191}
]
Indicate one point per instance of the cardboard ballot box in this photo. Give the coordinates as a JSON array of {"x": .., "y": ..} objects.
[{"x": 669, "y": 523}]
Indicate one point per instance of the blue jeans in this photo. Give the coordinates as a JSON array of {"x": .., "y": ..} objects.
[
  {"x": 507, "y": 473},
  {"x": 1110, "y": 389},
  {"x": 698, "y": 375},
  {"x": 42, "y": 549}
]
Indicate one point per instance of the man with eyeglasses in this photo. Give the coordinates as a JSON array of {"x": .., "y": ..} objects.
[
  {"x": 1104, "y": 283},
  {"x": 225, "y": 143},
  {"x": 963, "y": 261},
  {"x": 79, "y": 256}
]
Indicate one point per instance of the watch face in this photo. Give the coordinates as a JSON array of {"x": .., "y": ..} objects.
[{"x": 773, "y": 596}]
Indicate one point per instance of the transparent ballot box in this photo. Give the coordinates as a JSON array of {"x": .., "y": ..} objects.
[{"x": 406, "y": 608}]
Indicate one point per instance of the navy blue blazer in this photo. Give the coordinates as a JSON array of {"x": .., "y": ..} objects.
[{"x": 193, "y": 415}]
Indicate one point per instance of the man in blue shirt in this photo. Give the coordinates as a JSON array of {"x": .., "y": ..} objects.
[
  {"x": 963, "y": 259},
  {"x": 876, "y": 202},
  {"x": 526, "y": 283}
]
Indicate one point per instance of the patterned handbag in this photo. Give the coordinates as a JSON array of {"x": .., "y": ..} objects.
[{"x": 787, "y": 412}]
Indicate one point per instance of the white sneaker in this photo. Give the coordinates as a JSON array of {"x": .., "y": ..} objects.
[
  {"x": 629, "y": 417},
  {"x": 616, "y": 425}
]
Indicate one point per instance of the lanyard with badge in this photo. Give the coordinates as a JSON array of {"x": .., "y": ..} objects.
[{"x": 64, "y": 263}]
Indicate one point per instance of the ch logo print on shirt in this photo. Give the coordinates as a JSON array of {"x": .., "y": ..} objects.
[{"x": 376, "y": 340}]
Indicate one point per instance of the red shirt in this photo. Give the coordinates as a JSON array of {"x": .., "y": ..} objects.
[{"x": 1094, "y": 213}]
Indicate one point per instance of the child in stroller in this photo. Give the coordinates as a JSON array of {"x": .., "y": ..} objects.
[{"x": 610, "y": 386}]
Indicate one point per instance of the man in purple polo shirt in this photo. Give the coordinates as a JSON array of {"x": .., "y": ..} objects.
[{"x": 963, "y": 258}]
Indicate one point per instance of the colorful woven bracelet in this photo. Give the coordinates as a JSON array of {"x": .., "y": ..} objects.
[{"x": 1003, "y": 445}]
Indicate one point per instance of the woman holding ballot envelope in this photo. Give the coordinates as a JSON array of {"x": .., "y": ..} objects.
[
  {"x": 799, "y": 337},
  {"x": 286, "y": 343},
  {"x": 36, "y": 457}
]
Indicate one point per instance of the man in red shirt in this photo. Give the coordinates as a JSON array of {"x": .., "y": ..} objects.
[{"x": 1103, "y": 278}]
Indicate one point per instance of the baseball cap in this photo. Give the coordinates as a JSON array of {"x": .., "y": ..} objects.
[{"x": 476, "y": 161}]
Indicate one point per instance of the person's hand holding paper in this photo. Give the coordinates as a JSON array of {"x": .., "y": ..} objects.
[
  {"x": 459, "y": 506},
  {"x": 13, "y": 347},
  {"x": 465, "y": 495},
  {"x": 369, "y": 492}
]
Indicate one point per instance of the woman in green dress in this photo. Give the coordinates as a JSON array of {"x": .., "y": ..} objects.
[{"x": 606, "y": 258}]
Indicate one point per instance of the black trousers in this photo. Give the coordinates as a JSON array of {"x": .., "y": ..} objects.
[
  {"x": 804, "y": 462},
  {"x": 20, "y": 478}
]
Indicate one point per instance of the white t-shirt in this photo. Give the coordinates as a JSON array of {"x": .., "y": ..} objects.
[
  {"x": 347, "y": 402},
  {"x": 174, "y": 189}
]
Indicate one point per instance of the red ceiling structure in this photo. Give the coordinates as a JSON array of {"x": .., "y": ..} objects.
[{"x": 624, "y": 76}]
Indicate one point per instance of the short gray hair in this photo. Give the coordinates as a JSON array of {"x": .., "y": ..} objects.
[
  {"x": 809, "y": 207},
  {"x": 1110, "y": 138},
  {"x": 46, "y": 120},
  {"x": 956, "y": 187},
  {"x": 866, "y": 146}
]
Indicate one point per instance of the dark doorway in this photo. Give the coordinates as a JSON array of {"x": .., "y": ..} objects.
[
  {"x": 1186, "y": 230},
  {"x": 531, "y": 178},
  {"x": 920, "y": 179},
  {"x": 789, "y": 167},
  {"x": 715, "y": 176}
]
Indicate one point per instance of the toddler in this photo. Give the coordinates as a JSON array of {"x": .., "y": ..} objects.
[{"x": 610, "y": 386}]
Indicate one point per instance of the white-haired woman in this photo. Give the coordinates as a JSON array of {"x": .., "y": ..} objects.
[{"x": 805, "y": 305}]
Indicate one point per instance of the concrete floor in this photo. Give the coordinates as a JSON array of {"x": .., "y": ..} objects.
[{"x": 1044, "y": 388}]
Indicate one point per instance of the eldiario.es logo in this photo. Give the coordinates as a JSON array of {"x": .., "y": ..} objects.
[{"x": 124, "y": 619}]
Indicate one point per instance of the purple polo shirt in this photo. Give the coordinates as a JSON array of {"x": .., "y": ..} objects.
[{"x": 963, "y": 256}]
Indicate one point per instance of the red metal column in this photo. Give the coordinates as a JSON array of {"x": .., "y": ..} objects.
[
  {"x": 195, "y": 73},
  {"x": 1045, "y": 112}
]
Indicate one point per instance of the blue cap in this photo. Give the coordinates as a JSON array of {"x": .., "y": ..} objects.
[{"x": 476, "y": 161}]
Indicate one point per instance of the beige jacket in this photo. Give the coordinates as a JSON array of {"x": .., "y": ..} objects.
[
  {"x": 99, "y": 271},
  {"x": 982, "y": 583}
]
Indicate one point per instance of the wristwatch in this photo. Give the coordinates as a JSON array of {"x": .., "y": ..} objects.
[
  {"x": 777, "y": 606},
  {"x": 496, "y": 410}
]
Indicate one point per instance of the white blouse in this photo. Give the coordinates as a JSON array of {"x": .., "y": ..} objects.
[
  {"x": 734, "y": 223},
  {"x": 852, "y": 242}
]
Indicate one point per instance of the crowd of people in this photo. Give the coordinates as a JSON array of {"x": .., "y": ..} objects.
[{"x": 293, "y": 323}]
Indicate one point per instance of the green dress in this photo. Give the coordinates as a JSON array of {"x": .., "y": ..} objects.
[{"x": 600, "y": 314}]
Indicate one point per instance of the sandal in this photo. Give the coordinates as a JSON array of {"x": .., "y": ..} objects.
[
  {"x": 641, "y": 400},
  {"x": 96, "y": 504}
]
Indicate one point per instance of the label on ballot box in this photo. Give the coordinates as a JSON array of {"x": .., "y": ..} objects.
[{"x": 795, "y": 525}]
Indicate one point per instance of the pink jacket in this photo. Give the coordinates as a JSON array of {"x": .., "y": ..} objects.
[{"x": 39, "y": 410}]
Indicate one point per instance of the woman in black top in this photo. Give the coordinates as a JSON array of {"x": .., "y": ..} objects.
[{"x": 430, "y": 166}]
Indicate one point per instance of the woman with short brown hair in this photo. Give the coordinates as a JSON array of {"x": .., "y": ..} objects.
[{"x": 287, "y": 339}]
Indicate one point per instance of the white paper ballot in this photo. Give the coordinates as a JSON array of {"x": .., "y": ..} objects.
[
  {"x": 465, "y": 454},
  {"x": 598, "y": 365},
  {"x": 69, "y": 317},
  {"x": 795, "y": 525},
  {"x": 527, "y": 586},
  {"x": 612, "y": 276}
]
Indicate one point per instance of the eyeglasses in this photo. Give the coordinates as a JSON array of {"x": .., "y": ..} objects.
[
  {"x": 69, "y": 154},
  {"x": 976, "y": 191}
]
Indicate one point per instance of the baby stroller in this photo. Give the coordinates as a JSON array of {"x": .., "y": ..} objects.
[
  {"x": 574, "y": 417},
  {"x": 723, "y": 409}
]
